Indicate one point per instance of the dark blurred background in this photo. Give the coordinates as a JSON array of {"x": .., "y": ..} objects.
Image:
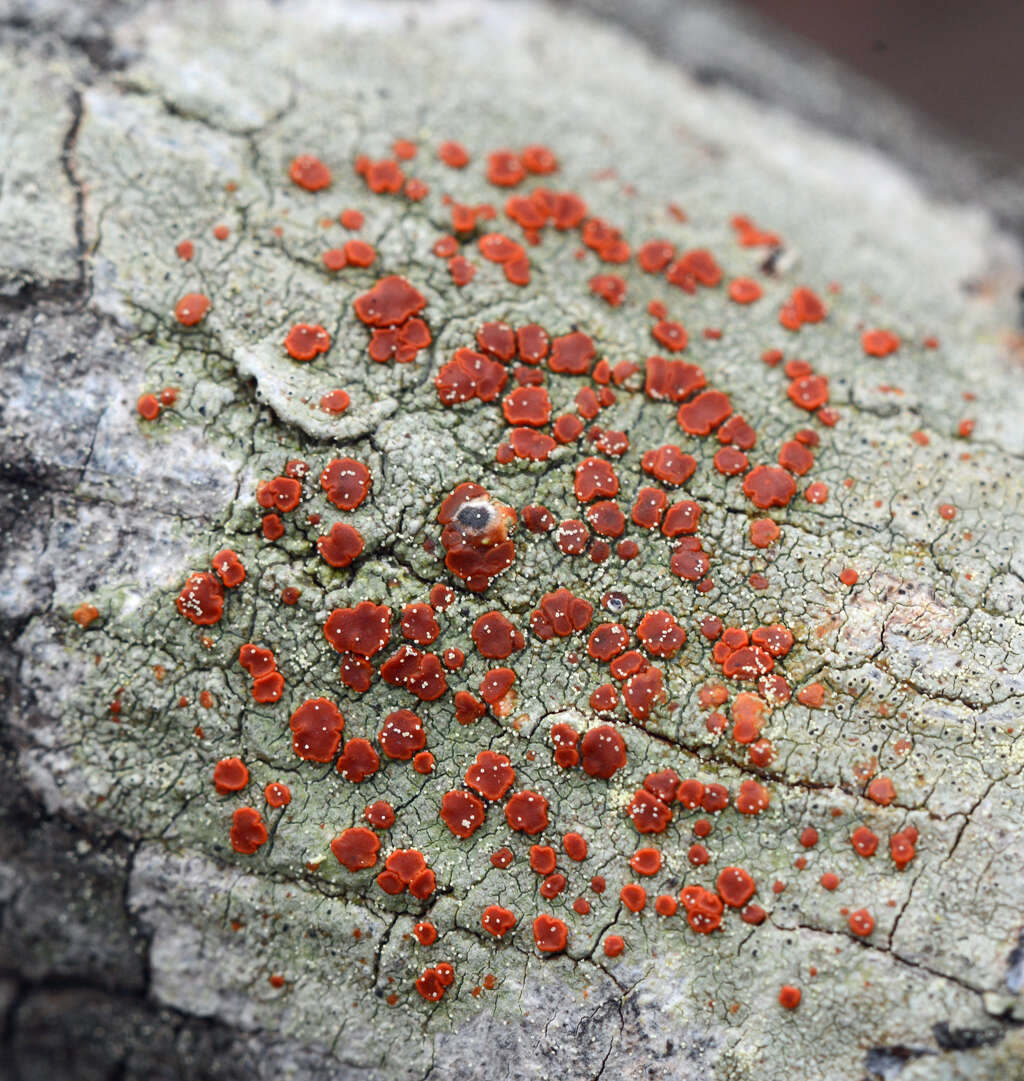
[
  {"x": 938, "y": 85},
  {"x": 960, "y": 61}
]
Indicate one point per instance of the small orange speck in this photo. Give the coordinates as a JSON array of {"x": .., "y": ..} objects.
[
  {"x": 85, "y": 614},
  {"x": 148, "y": 407},
  {"x": 335, "y": 401},
  {"x": 613, "y": 945},
  {"x": 191, "y": 309}
]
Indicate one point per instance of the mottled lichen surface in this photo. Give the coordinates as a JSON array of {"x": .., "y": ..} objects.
[{"x": 919, "y": 659}]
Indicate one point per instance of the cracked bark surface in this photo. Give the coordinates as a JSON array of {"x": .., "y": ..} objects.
[{"x": 133, "y": 941}]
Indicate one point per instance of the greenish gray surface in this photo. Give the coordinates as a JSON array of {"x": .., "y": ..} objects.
[{"x": 924, "y": 652}]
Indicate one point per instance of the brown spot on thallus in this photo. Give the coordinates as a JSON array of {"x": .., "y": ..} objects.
[
  {"x": 341, "y": 545},
  {"x": 502, "y": 858},
  {"x": 230, "y": 775},
  {"x": 764, "y": 532},
  {"x": 401, "y": 343},
  {"x": 665, "y": 905},
  {"x": 693, "y": 268},
  {"x": 882, "y": 791},
  {"x": 462, "y": 812},
  {"x": 575, "y": 846},
  {"x": 228, "y": 568},
  {"x": 504, "y": 168},
  {"x": 418, "y": 672},
  {"x": 595, "y": 478},
  {"x": 795, "y": 457},
  {"x": 750, "y": 235},
  {"x": 646, "y": 861},
  {"x": 527, "y": 812},
  {"x": 735, "y": 886},
  {"x": 316, "y": 727},
  {"x": 192, "y": 309},
  {"x": 744, "y": 291},
  {"x": 497, "y": 921},
  {"x": 803, "y": 306},
  {"x": 611, "y": 288},
  {"x": 670, "y": 334},
  {"x": 453, "y": 154},
  {"x": 864, "y": 841},
  {"x": 306, "y": 341},
  {"x": 902, "y": 847},
  {"x": 538, "y": 159},
  {"x": 496, "y": 637},
  {"x": 201, "y": 599},
  {"x": 402, "y": 735},
  {"x": 346, "y": 482},
  {"x": 380, "y": 815},
  {"x": 812, "y": 696},
  {"x": 542, "y": 859},
  {"x": 248, "y": 833},
  {"x": 461, "y": 270},
  {"x": 560, "y": 614},
  {"x": 363, "y": 630},
  {"x": 809, "y": 392},
  {"x": 648, "y": 813},
  {"x": 491, "y": 775},
  {"x": 879, "y": 343},
  {"x": 550, "y": 933},
  {"x": 603, "y": 752},
  {"x": 769, "y": 486},
  {"x": 85, "y": 614},
  {"x": 309, "y": 172},
  {"x": 527, "y": 405},
  {"x": 861, "y": 922},
  {"x": 277, "y": 794},
  {"x": 425, "y": 932},
  {"x": 633, "y": 896},
  {"x": 655, "y": 255},
  {"x": 613, "y": 945},
  {"x": 476, "y": 535},
  {"x": 572, "y": 354},
  {"x": 730, "y": 462},
  {"x": 752, "y": 799},
  {"x": 390, "y": 302},
  {"x": 358, "y": 760},
  {"x": 703, "y": 909}
]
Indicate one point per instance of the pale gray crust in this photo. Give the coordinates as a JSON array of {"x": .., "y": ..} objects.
[{"x": 111, "y": 919}]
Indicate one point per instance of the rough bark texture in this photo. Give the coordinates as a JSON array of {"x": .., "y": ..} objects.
[{"x": 134, "y": 943}]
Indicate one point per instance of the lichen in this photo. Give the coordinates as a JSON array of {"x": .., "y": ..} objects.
[{"x": 798, "y": 619}]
